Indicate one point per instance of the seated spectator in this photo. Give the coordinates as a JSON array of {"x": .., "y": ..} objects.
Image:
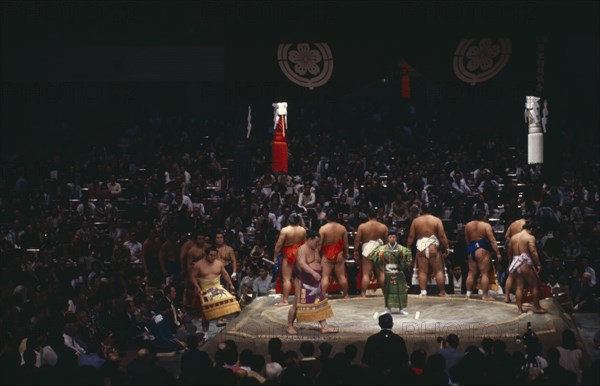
[
  {"x": 460, "y": 186},
  {"x": 114, "y": 187},
  {"x": 275, "y": 353},
  {"x": 418, "y": 361},
  {"x": 134, "y": 246},
  {"x": 435, "y": 373},
  {"x": 554, "y": 373},
  {"x": 584, "y": 296},
  {"x": 458, "y": 284},
  {"x": 93, "y": 357},
  {"x": 246, "y": 283},
  {"x": 585, "y": 267},
  {"x": 70, "y": 335},
  {"x": 570, "y": 355},
  {"x": 143, "y": 370},
  {"x": 262, "y": 283},
  {"x": 571, "y": 247},
  {"x": 450, "y": 351},
  {"x": 194, "y": 363},
  {"x": 257, "y": 364},
  {"x": 164, "y": 340},
  {"x": 273, "y": 372},
  {"x": 351, "y": 352},
  {"x": 308, "y": 361}
]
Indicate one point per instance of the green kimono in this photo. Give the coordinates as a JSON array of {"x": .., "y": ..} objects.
[{"x": 393, "y": 261}]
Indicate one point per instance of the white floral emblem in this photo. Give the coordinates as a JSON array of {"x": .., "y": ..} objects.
[
  {"x": 308, "y": 65},
  {"x": 482, "y": 56},
  {"x": 305, "y": 59},
  {"x": 478, "y": 60}
]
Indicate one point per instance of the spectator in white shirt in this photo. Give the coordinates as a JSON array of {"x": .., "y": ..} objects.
[
  {"x": 460, "y": 186},
  {"x": 262, "y": 283},
  {"x": 307, "y": 198},
  {"x": 134, "y": 246}
]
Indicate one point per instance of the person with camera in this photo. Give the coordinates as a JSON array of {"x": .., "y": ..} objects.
[
  {"x": 525, "y": 267},
  {"x": 449, "y": 350}
]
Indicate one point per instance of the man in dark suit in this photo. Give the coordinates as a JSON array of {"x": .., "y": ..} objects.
[
  {"x": 308, "y": 362},
  {"x": 385, "y": 349},
  {"x": 180, "y": 323}
]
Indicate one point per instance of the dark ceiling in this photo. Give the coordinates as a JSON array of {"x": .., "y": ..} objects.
[{"x": 223, "y": 22}]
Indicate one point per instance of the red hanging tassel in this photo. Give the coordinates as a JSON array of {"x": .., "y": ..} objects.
[
  {"x": 405, "y": 70},
  {"x": 405, "y": 86},
  {"x": 279, "y": 147}
]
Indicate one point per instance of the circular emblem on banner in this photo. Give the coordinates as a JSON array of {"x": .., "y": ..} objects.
[
  {"x": 478, "y": 60},
  {"x": 305, "y": 64}
]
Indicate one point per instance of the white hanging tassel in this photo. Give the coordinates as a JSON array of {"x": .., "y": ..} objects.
[{"x": 535, "y": 139}]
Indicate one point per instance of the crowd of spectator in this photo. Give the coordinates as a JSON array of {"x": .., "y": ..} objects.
[{"x": 87, "y": 236}]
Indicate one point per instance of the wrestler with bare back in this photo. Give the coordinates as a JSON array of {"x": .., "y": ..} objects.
[
  {"x": 370, "y": 235},
  {"x": 428, "y": 232},
  {"x": 334, "y": 250},
  {"x": 290, "y": 239},
  {"x": 514, "y": 228},
  {"x": 480, "y": 241},
  {"x": 525, "y": 267}
]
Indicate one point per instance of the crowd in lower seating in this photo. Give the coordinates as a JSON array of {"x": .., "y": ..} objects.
[{"x": 85, "y": 237}]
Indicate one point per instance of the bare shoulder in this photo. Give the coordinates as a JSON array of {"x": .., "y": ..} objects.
[{"x": 438, "y": 221}]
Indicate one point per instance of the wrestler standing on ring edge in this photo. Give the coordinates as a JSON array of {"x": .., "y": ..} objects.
[{"x": 428, "y": 231}]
